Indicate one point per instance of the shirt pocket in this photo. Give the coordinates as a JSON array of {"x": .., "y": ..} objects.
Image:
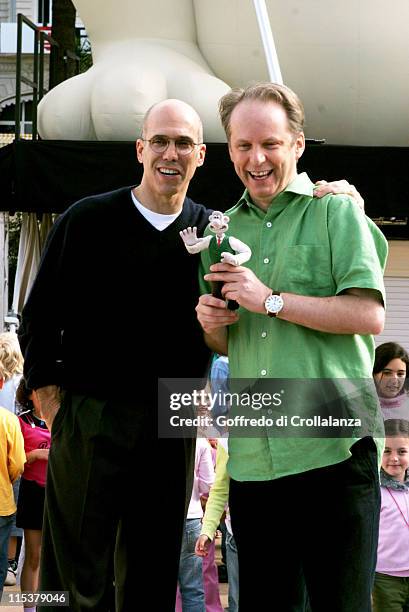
[{"x": 307, "y": 270}]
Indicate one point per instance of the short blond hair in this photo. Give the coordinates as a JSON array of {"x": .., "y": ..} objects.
[
  {"x": 265, "y": 92},
  {"x": 11, "y": 358}
]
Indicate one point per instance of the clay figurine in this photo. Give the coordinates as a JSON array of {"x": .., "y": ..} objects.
[{"x": 222, "y": 248}]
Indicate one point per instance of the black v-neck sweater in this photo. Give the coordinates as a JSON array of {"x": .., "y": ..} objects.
[{"x": 113, "y": 302}]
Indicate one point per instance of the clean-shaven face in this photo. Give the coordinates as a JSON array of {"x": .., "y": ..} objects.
[
  {"x": 263, "y": 150},
  {"x": 169, "y": 173}
]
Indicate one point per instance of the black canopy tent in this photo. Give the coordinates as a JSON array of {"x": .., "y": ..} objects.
[{"x": 48, "y": 176}]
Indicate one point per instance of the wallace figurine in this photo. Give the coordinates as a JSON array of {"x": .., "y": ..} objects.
[{"x": 222, "y": 248}]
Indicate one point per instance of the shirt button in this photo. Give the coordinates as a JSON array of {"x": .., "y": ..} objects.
[
  {"x": 269, "y": 411},
  {"x": 263, "y": 372},
  {"x": 269, "y": 224},
  {"x": 264, "y": 334},
  {"x": 266, "y": 260}
]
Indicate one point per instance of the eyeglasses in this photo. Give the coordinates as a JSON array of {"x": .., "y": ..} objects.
[{"x": 159, "y": 144}]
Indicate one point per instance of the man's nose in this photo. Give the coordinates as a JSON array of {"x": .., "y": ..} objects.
[
  {"x": 258, "y": 156},
  {"x": 171, "y": 151}
]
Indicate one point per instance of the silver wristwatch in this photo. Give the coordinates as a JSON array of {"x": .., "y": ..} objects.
[{"x": 273, "y": 304}]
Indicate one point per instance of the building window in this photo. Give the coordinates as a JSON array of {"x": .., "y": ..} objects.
[{"x": 7, "y": 124}]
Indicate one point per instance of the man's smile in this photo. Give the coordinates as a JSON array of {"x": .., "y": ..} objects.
[
  {"x": 168, "y": 171},
  {"x": 260, "y": 175}
]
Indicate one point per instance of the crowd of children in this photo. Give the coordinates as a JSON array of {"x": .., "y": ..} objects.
[{"x": 24, "y": 448}]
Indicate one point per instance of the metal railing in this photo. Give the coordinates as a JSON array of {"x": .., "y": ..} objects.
[{"x": 37, "y": 81}]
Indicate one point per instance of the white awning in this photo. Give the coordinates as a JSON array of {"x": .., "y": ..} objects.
[{"x": 9, "y": 100}]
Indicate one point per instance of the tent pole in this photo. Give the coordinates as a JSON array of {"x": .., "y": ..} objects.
[
  {"x": 4, "y": 268},
  {"x": 270, "y": 51}
]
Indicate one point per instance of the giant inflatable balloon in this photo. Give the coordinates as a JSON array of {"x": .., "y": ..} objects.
[{"x": 347, "y": 60}]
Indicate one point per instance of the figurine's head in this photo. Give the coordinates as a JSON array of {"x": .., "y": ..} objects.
[{"x": 219, "y": 223}]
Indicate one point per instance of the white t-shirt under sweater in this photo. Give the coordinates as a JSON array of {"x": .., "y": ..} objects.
[{"x": 158, "y": 220}]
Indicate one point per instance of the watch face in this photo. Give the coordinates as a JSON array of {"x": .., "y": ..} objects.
[{"x": 274, "y": 303}]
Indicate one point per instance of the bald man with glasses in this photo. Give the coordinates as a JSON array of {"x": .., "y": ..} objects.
[{"x": 118, "y": 252}]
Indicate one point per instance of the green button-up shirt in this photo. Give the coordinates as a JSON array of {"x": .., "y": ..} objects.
[{"x": 312, "y": 247}]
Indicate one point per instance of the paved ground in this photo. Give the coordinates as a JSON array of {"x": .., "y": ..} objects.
[
  {"x": 222, "y": 587},
  {"x": 14, "y": 589}
]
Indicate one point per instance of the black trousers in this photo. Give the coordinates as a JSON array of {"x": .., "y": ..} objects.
[
  {"x": 114, "y": 509},
  {"x": 319, "y": 528}
]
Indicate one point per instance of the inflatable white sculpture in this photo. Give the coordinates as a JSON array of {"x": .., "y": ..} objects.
[
  {"x": 143, "y": 52},
  {"x": 347, "y": 61}
]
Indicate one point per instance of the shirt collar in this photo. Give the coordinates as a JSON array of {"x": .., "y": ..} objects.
[
  {"x": 301, "y": 185},
  {"x": 388, "y": 481}
]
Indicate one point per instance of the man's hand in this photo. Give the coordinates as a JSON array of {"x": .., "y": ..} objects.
[
  {"x": 213, "y": 314},
  {"x": 49, "y": 400},
  {"x": 240, "y": 284},
  {"x": 323, "y": 188},
  {"x": 202, "y": 546}
]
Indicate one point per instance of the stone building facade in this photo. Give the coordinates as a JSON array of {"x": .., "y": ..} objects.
[{"x": 36, "y": 11}]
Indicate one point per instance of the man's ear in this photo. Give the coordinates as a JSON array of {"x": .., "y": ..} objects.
[
  {"x": 299, "y": 145},
  {"x": 139, "y": 148},
  {"x": 201, "y": 155}
]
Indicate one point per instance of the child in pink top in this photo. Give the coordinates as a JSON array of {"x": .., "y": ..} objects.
[
  {"x": 36, "y": 445},
  {"x": 391, "y": 588},
  {"x": 191, "y": 595},
  {"x": 30, "y": 504}
]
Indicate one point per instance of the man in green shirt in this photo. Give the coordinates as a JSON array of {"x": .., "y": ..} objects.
[{"x": 311, "y": 297}]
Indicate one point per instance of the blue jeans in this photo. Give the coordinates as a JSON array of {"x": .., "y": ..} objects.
[
  {"x": 190, "y": 570},
  {"x": 232, "y": 562},
  {"x": 6, "y": 523}
]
